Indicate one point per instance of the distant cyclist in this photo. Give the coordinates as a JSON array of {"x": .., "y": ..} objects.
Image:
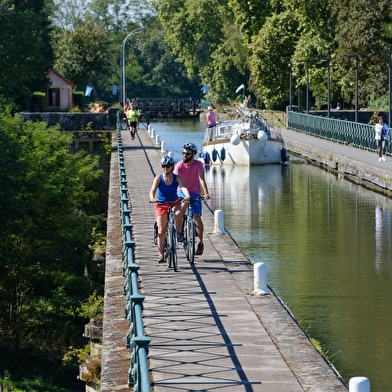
[
  {"x": 166, "y": 185},
  {"x": 192, "y": 172}
]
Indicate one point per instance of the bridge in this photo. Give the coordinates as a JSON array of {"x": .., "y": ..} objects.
[{"x": 207, "y": 329}]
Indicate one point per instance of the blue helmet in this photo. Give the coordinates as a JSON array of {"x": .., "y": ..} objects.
[
  {"x": 190, "y": 146},
  {"x": 167, "y": 161}
]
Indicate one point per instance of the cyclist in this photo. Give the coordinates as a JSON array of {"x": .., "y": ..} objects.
[
  {"x": 192, "y": 172},
  {"x": 164, "y": 190}
]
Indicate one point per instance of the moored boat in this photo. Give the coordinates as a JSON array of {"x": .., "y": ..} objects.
[{"x": 245, "y": 140}]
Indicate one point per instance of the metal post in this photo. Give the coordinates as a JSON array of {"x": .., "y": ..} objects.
[
  {"x": 389, "y": 53},
  {"x": 356, "y": 82},
  {"x": 291, "y": 75},
  {"x": 307, "y": 85},
  {"x": 140, "y": 29},
  {"x": 356, "y": 89},
  {"x": 307, "y": 88},
  {"x": 328, "y": 60}
]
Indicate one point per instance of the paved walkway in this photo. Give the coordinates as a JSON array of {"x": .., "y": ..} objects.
[
  {"x": 358, "y": 163},
  {"x": 208, "y": 331}
]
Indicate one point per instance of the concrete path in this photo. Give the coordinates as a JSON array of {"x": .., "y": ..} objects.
[
  {"x": 208, "y": 331},
  {"x": 359, "y": 164}
]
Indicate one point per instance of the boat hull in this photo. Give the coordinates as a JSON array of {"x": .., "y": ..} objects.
[{"x": 246, "y": 152}]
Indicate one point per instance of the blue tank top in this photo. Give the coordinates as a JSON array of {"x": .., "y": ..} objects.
[{"x": 167, "y": 192}]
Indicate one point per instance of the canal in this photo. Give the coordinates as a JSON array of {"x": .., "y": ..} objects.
[{"x": 327, "y": 246}]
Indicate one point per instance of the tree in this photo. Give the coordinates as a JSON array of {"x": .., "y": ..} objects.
[
  {"x": 45, "y": 263},
  {"x": 367, "y": 30},
  {"x": 25, "y": 50},
  {"x": 83, "y": 54}
]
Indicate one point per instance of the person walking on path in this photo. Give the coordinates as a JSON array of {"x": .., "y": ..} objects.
[
  {"x": 211, "y": 117},
  {"x": 133, "y": 117},
  {"x": 381, "y": 136},
  {"x": 167, "y": 184},
  {"x": 192, "y": 172}
]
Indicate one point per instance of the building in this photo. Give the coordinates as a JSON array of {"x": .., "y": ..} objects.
[{"x": 59, "y": 93}]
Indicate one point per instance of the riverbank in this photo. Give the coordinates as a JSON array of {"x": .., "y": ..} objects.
[{"x": 358, "y": 165}]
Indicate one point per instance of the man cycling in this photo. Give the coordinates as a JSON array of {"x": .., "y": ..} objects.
[{"x": 192, "y": 172}]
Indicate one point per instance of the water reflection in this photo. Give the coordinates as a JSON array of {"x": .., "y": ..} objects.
[
  {"x": 326, "y": 243},
  {"x": 312, "y": 230}
]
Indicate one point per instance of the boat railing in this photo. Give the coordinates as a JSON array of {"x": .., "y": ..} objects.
[{"x": 275, "y": 133}]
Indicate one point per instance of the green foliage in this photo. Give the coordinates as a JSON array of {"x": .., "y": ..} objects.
[
  {"x": 92, "y": 307},
  {"x": 25, "y": 50},
  {"x": 39, "y": 99},
  {"x": 78, "y": 98},
  {"x": 82, "y": 54},
  {"x": 46, "y": 267},
  {"x": 75, "y": 109}
]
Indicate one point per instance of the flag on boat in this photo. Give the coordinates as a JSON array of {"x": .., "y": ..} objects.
[
  {"x": 239, "y": 88},
  {"x": 114, "y": 90},
  {"x": 205, "y": 89}
]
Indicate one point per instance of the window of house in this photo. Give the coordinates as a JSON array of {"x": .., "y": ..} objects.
[{"x": 54, "y": 97}]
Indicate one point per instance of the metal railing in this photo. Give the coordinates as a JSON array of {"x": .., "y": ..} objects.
[
  {"x": 352, "y": 133},
  {"x": 137, "y": 342}
]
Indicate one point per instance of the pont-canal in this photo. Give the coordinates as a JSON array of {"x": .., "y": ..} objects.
[{"x": 326, "y": 243}]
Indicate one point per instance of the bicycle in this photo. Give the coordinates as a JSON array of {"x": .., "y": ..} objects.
[
  {"x": 189, "y": 232},
  {"x": 170, "y": 250}
]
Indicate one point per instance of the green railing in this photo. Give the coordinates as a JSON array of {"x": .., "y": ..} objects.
[
  {"x": 137, "y": 342},
  {"x": 352, "y": 133}
]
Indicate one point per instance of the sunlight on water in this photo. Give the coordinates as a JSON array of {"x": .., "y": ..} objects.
[{"x": 327, "y": 246}]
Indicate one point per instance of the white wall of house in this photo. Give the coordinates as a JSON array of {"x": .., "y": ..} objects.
[{"x": 59, "y": 93}]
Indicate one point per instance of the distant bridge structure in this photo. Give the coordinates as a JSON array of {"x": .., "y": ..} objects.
[{"x": 170, "y": 107}]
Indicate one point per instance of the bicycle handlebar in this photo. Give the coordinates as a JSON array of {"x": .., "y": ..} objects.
[{"x": 168, "y": 203}]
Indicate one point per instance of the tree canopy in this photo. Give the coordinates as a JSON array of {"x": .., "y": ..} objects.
[{"x": 48, "y": 222}]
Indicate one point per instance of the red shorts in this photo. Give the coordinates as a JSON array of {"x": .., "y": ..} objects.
[{"x": 161, "y": 209}]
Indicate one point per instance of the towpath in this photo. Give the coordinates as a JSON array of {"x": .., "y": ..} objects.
[{"x": 208, "y": 331}]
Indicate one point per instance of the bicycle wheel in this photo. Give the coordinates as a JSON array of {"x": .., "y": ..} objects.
[
  {"x": 191, "y": 239},
  {"x": 168, "y": 257},
  {"x": 174, "y": 250}
]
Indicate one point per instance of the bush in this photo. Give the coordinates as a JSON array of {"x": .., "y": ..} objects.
[
  {"x": 78, "y": 98},
  {"x": 38, "y": 101}
]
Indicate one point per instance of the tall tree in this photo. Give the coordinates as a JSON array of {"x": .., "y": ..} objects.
[
  {"x": 25, "y": 50},
  {"x": 45, "y": 234},
  {"x": 367, "y": 29},
  {"x": 83, "y": 54}
]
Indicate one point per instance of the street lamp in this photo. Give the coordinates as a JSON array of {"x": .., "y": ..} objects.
[
  {"x": 389, "y": 53},
  {"x": 291, "y": 74},
  {"x": 328, "y": 61},
  {"x": 139, "y": 30},
  {"x": 307, "y": 85},
  {"x": 356, "y": 57}
]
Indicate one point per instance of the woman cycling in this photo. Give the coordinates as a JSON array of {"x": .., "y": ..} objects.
[{"x": 166, "y": 185}]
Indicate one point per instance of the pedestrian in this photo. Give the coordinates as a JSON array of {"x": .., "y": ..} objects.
[
  {"x": 381, "y": 136},
  {"x": 126, "y": 108},
  {"x": 164, "y": 190},
  {"x": 211, "y": 117},
  {"x": 192, "y": 172},
  {"x": 133, "y": 117}
]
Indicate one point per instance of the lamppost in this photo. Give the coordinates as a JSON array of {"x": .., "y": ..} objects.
[
  {"x": 356, "y": 57},
  {"x": 139, "y": 30},
  {"x": 389, "y": 53},
  {"x": 328, "y": 61},
  {"x": 307, "y": 85},
  {"x": 291, "y": 75}
]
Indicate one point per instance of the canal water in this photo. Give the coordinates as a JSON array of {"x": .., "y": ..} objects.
[{"x": 327, "y": 246}]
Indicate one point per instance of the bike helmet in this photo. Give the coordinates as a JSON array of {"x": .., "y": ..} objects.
[
  {"x": 190, "y": 146},
  {"x": 167, "y": 161}
]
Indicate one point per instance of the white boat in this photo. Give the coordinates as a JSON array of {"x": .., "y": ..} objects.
[{"x": 246, "y": 140}]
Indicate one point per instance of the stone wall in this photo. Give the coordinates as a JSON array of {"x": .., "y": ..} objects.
[{"x": 75, "y": 121}]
